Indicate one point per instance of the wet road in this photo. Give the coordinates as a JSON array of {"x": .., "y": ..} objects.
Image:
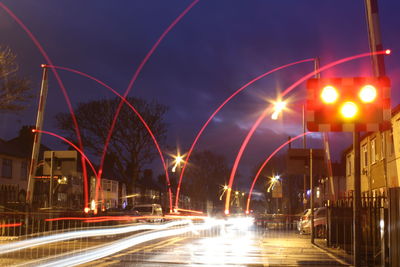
[{"x": 232, "y": 247}]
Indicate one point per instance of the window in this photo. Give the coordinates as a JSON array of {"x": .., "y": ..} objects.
[
  {"x": 6, "y": 170},
  {"x": 373, "y": 151},
  {"x": 348, "y": 165},
  {"x": 24, "y": 170},
  {"x": 364, "y": 156},
  {"x": 391, "y": 143},
  {"x": 383, "y": 137}
]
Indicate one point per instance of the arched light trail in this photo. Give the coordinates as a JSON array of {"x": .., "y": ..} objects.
[
  {"x": 240, "y": 153},
  {"x": 140, "y": 118},
  {"x": 266, "y": 111},
  {"x": 64, "y": 91},
  {"x": 265, "y": 163},
  {"x": 215, "y": 113},
  {"x": 133, "y": 80},
  {"x": 71, "y": 144},
  {"x": 330, "y": 65}
]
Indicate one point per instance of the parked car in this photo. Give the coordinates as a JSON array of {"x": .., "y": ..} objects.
[
  {"x": 320, "y": 222},
  {"x": 301, "y": 225},
  {"x": 153, "y": 211}
]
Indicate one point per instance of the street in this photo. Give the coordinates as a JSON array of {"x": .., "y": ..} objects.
[{"x": 233, "y": 248}]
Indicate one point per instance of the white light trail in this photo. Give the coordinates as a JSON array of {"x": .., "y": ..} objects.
[
  {"x": 74, "y": 258},
  {"x": 39, "y": 241}
]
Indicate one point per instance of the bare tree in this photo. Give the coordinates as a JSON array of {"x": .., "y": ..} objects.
[
  {"x": 205, "y": 177},
  {"x": 14, "y": 91},
  {"x": 131, "y": 146}
]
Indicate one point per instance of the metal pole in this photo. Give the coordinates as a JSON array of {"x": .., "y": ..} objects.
[
  {"x": 375, "y": 42},
  {"x": 51, "y": 179},
  {"x": 357, "y": 201},
  {"x": 37, "y": 136},
  {"x": 304, "y": 147},
  {"x": 311, "y": 196},
  {"x": 378, "y": 66}
]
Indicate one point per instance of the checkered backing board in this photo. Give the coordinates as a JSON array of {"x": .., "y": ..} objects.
[{"x": 321, "y": 117}]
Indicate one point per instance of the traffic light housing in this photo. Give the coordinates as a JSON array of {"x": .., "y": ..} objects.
[{"x": 348, "y": 104}]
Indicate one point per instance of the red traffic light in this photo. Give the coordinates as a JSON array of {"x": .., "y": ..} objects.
[{"x": 348, "y": 104}]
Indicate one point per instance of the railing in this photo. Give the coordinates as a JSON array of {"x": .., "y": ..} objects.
[{"x": 374, "y": 220}]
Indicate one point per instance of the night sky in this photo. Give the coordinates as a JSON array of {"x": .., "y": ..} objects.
[{"x": 215, "y": 49}]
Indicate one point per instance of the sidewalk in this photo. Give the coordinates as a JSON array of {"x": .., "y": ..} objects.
[
  {"x": 288, "y": 248},
  {"x": 336, "y": 252}
]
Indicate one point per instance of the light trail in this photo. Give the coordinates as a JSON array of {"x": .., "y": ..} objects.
[
  {"x": 129, "y": 218},
  {"x": 8, "y": 225},
  {"x": 133, "y": 80},
  {"x": 71, "y": 144},
  {"x": 64, "y": 91},
  {"x": 265, "y": 163},
  {"x": 137, "y": 114},
  {"x": 266, "y": 111},
  {"x": 218, "y": 109},
  {"x": 76, "y": 258},
  {"x": 44, "y": 240},
  {"x": 190, "y": 211}
]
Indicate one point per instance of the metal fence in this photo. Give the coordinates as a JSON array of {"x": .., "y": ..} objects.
[{"x": 374, "y": 220}]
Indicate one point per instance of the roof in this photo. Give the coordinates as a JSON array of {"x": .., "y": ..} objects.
[{"x": 20, "y": 146}]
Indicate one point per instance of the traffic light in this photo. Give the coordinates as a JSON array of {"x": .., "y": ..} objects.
[{"x": 348, "y": 104}]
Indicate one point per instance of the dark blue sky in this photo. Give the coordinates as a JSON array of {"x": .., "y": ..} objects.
[{"x": 216, "y": 48}]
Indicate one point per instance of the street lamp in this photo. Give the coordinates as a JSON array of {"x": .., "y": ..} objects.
[
  {"x": 279, "y": 106},
  {"x": 273, "y": 181},
  {"x": 224, "y": 188},
  {"x": 178, "y": 160}
]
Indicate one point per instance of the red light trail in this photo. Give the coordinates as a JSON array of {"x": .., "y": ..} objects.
[
  {"x": 71, "y": 144},
  {"x": 10, "y": 225},
  {"x": 64, "y": 91},
  {"x": 266, "y": 111},
  {"x": 215, "y": 113},
  {"x": 265, "y": 163},
  {"x": 140, "y": 118},
  {"x": 134, "y": 77}
]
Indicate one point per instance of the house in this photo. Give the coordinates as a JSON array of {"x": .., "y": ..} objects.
[
  {"x": 15, "y": 157},
  {"x": 379, "y": 159}
]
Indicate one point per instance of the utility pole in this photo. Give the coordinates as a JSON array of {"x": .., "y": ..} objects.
[
  {"x": 357, "y": 201},
  {"x": 312, "y": 197},
  {"x": 378, "y": 66},
  {"x": 37, "y": 136},
  {"x": 305, "y": 171},
  {"x": 51, "y": 179}
]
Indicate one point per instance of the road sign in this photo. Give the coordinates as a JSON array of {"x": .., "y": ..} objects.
[{"x": 348, "y": 104}]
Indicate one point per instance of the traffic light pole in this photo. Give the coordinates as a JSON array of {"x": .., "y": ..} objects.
[{"x": 357, "y": 202}]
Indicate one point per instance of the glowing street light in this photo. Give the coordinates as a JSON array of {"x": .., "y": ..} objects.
[
  {"x": 279, "y": 106},
  {"x": 224, "y": 188},
  {"x": 273, "y": 181},
  {"x": 275, "y": 178},
  {"x": 178, "y": 160}
]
